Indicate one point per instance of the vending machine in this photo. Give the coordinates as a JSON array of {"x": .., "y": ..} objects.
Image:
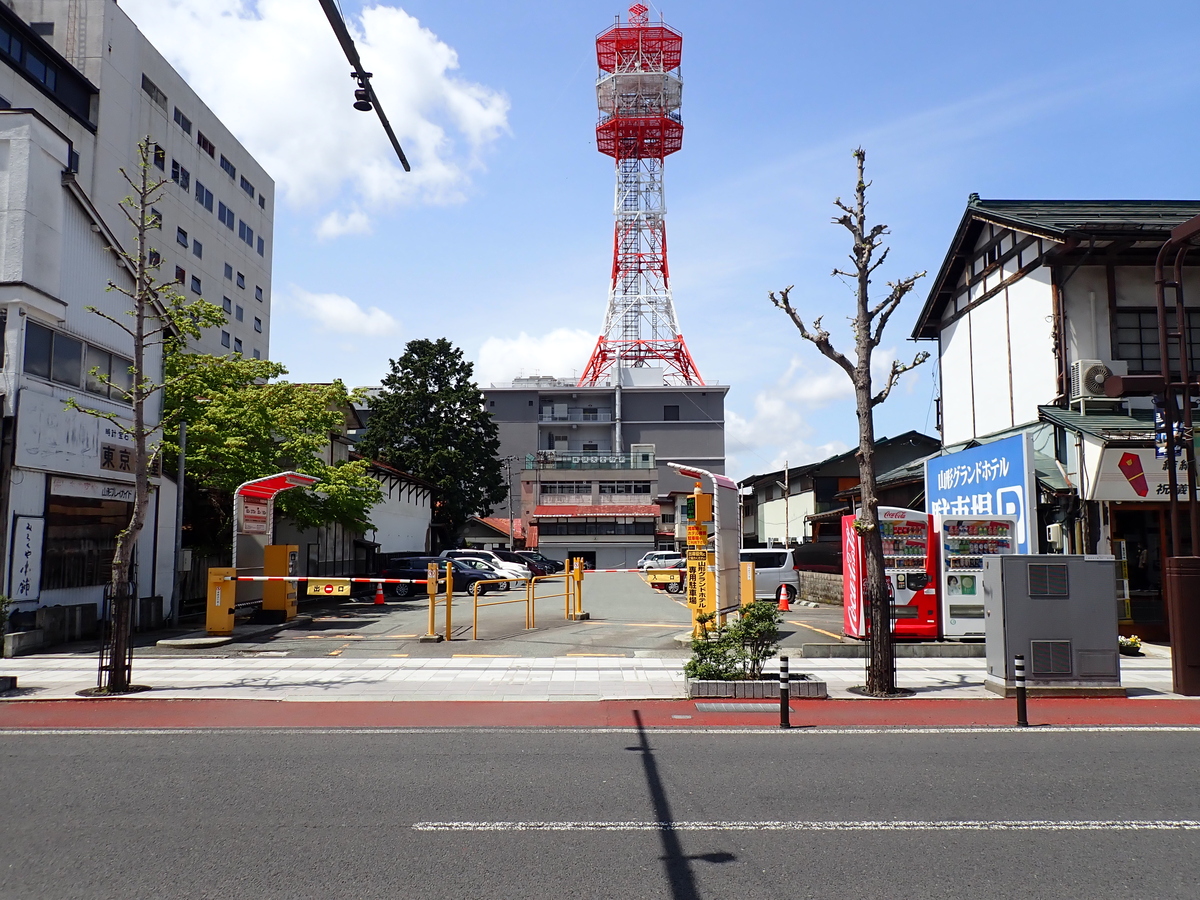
[
  {"x": 910, "y": 567},
  {"x": 967, "y": 543}
]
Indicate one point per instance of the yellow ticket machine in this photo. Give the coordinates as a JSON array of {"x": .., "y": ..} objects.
[{"x": 280, "y": 559}]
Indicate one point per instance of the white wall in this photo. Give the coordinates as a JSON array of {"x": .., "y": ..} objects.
[{"x": 402, "y": 520}]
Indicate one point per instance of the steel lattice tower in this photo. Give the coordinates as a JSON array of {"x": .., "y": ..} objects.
[{"x": 639, "y": 92}]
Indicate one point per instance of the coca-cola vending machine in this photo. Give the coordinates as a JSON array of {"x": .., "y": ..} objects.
[{"x": 910, "y": 567}]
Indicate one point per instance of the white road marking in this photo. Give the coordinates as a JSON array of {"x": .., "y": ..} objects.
[{"x": 914, "y": 825}]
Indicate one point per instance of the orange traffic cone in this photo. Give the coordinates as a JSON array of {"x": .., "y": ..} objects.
[
  {"x": 379, "y": 594},
  {"x": 782, "y": 599}
]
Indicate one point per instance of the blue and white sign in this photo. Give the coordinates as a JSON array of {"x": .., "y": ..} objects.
[{"x": 995, "y": 479}]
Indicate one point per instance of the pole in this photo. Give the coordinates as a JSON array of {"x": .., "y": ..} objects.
[
  {"x": 787, "y": 496},
  {"x": 1160, "y": 296},
  {"x": 508, "y": 460},
  {"x": 176, "y": 587},
  {"x": 785, "y": 713},
  {"x": 1019, "y": 681},
  {"x": 1185, "y": 372}
]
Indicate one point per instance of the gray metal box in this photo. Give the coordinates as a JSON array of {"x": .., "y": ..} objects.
[{"x": 1061, "y": 613}]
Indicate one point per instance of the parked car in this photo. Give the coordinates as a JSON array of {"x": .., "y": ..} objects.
[
  {"x": 659, "y": 559},
  {"x": 535, "y": 567},
  {"x": 490, "y": 571},
  {"x": 774, "y": 566},
  {"x": 512, "y": 570},
  {"x": 417, "y": 567},
  {"x": 553, "y": 565}
]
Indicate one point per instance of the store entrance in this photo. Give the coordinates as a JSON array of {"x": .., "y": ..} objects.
[{"x": 1145, "y": 536}]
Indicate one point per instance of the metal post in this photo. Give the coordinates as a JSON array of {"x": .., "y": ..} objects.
[
  {"x": 1019, "y": 681},
  {"x": 176, "y": 588},
  {"x": 785, "y": 713},
  {"x": 449, "y": 600},
  {"x": 431, "y": 588},
  {"x": 1169, "y": 408}
]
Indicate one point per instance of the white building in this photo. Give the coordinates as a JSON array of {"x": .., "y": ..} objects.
[
  {"x": 79, "y": 87},
  {"x": 1035, "y": 303},
  {"x": 87, "y": 69}
]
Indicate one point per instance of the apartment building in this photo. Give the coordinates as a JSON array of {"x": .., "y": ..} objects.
[{"x": 86, "y": 67}]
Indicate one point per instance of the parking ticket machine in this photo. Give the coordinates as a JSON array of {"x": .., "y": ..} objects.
[{"x": 280, "y": 559}]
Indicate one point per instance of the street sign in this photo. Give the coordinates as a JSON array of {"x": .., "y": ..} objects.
[
  {"x": 662, "y": 576},
  {"x": 335, "y": 587}
]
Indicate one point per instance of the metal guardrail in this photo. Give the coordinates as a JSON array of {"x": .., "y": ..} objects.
[{"x": 529, "y": 612}]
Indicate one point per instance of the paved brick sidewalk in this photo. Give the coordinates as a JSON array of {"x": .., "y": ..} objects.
[{"x": 477, "y": 678}]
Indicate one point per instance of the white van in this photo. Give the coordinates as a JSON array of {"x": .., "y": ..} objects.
[
  {"x": 658, "y": 559},
  {"x": 773, "y": 567}
]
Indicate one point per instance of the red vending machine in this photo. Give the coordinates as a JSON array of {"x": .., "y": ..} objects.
[{"x": 910, "y": 566}]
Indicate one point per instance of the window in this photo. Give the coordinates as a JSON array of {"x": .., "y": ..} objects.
[
  {"x": 205, "y": 144},
  {"x": 262, "y": 201},
  {"x": 247, "y": 187},
  {"x": 240, "y": 314},
  {"x": 183, "y": 121},
  {"x": 229, "y": 167},
  {"x": 155, "y": 218},
  {"x": 180, "y": 275},
  {"x": 227, "y": 304},
  {"x": 241, "y": 280},
  {"x": 229, "y": 271},
  {"x": 566, "y": 487},
  {"x": 197, "y": 250},
  {"x": 97, "y": 368},
  {"x": 258, "y": 293},
  {"x": 245, "y": 232},
  {"x": 41, "y": 70},
  {"x": 257, "y": 355},
  {"x": 204, "y": 196},
  {"x": 225, "y": 215},
  {"x": 181, "y": 237},
  {"x": 51, "y": 355},
  {"x": 196, "y": 284},
  {"x": 668, "y": 518},
  {"x": 153, "y": 91},
  {"x": 155, "y": 258},
  {"x": 160, "y": 158},
  {"x": 181, "y": 176},
  {"x": 262, "y": 247},
  {"x": 81, "y": 540},
  {"x": 670, "y": 413},
  {"x": 224, "y": 338},
  {"x": 237, "y": 345},
  {"x": 258, "y": 324},
  {"x": 45, "y": 29},
  {"x": 624, "y": 487},
  {"x": 1137, "y": 339}
]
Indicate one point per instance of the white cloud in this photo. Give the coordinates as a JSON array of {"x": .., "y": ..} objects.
[
  {"x": 335, "y": 313},
  {"x": 337, "y": 224},
  {"x": 562, "y": 353},
  {"x": 273, "y": 71}
]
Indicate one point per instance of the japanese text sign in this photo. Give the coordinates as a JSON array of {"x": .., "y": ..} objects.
[{"x": 995, "y": 479}]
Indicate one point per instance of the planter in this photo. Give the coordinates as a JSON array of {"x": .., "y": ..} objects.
[{"x": 800, "y": 687}]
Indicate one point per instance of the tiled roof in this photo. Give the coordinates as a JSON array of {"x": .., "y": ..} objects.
[
  {"x": 600, "y": 510},
  {"x": 500, "y": 523}
]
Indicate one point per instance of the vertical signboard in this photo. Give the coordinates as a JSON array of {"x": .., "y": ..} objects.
[
  {"x": 26, "y": 577},
  {"x": 995, "y": 479}
]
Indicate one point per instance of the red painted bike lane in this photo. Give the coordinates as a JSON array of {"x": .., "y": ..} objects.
[{"x": 909, "y": 713}]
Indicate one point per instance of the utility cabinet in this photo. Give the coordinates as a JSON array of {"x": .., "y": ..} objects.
[{"x": 1060, "y": 612}]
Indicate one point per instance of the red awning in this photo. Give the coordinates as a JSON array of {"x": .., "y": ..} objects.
[
  {"x": 603, "y": 510},
  {"x": 266, "y": 488}
]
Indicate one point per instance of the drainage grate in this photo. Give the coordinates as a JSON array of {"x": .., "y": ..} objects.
[{"x": 739, "y": 707}]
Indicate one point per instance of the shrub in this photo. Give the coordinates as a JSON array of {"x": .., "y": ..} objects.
[{"x": 737, "y": 650}]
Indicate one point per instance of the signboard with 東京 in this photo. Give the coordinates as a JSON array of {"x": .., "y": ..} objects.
[
  {"x": 115, "y": 458},
  {"x": 995, "y": 479},
  {"x": 28, "y": 534},
  {"x": 335, "y": 587}
]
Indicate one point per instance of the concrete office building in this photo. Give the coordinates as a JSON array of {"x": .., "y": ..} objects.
[
  {"x": 85, "y": 67},
  {"x": 79, "y": 86},
  {"x": 592, "y": 461}
]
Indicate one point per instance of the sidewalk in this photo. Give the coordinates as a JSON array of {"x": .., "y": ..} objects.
[{"x": 474, "y": 678}]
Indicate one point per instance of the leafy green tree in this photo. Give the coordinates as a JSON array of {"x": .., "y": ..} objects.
[
  {"x": 242, "y": 425},
  {"x": 429, "y": 420}
]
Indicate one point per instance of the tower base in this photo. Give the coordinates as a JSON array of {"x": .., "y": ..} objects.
[{"x": 671, "y": 355}]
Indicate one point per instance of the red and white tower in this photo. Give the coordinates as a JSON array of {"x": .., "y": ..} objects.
[{"x": 639, "y": 92}]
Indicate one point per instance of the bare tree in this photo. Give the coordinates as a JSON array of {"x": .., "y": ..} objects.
[
  {"x": 158, "y": 314},
  {"x": 867, "y": 325}
]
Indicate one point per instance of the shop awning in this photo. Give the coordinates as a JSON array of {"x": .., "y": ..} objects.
[{"x": 266, "y": 488}]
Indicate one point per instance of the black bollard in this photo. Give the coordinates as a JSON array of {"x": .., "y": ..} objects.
[
  {"x": 785, "y": 713},
  {"x": 1019, "y": 681}
]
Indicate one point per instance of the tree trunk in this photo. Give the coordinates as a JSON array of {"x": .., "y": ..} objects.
[{"x": 881, "y": 664}]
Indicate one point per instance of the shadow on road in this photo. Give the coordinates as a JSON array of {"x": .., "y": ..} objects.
[{"x": 676, "y": 864}]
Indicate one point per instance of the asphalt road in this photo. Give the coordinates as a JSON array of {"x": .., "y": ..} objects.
[{"x": 346, "y": 815}]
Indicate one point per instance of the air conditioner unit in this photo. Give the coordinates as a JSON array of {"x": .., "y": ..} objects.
[{"x": 1088, "y": 377}]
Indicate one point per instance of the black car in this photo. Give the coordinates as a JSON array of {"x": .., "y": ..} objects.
[
  {"x": 417, "y": 567},
  {"x": 530, "y": 556}
]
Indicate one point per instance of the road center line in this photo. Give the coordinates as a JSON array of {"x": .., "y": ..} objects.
[
  {"x": 912, "y": 825},
  {"x": 836, "y": 637}
]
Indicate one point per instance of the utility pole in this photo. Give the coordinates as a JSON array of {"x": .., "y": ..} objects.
[
  {"x": 176, "y": 589},
  {"x": 507, "y": 463},
  {"x": 787, "y": 493}
]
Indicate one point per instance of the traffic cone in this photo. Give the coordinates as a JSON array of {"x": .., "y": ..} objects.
[
  {"x": 782, "y": 599},
  {"x": 379, "y": 594}
]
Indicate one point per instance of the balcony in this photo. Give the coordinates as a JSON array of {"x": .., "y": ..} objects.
[
  {"x": 577, "y": 415},
  {"x": 588, "y": 459}
]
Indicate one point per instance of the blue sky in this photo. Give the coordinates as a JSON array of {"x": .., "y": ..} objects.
[{"x": 501, "y": 238}]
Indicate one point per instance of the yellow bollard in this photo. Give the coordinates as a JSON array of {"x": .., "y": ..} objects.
[
  {"x": 222, "y": 599},
  {"x": 431, "y": 588},
  {"x": 449, "y": 598}
]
